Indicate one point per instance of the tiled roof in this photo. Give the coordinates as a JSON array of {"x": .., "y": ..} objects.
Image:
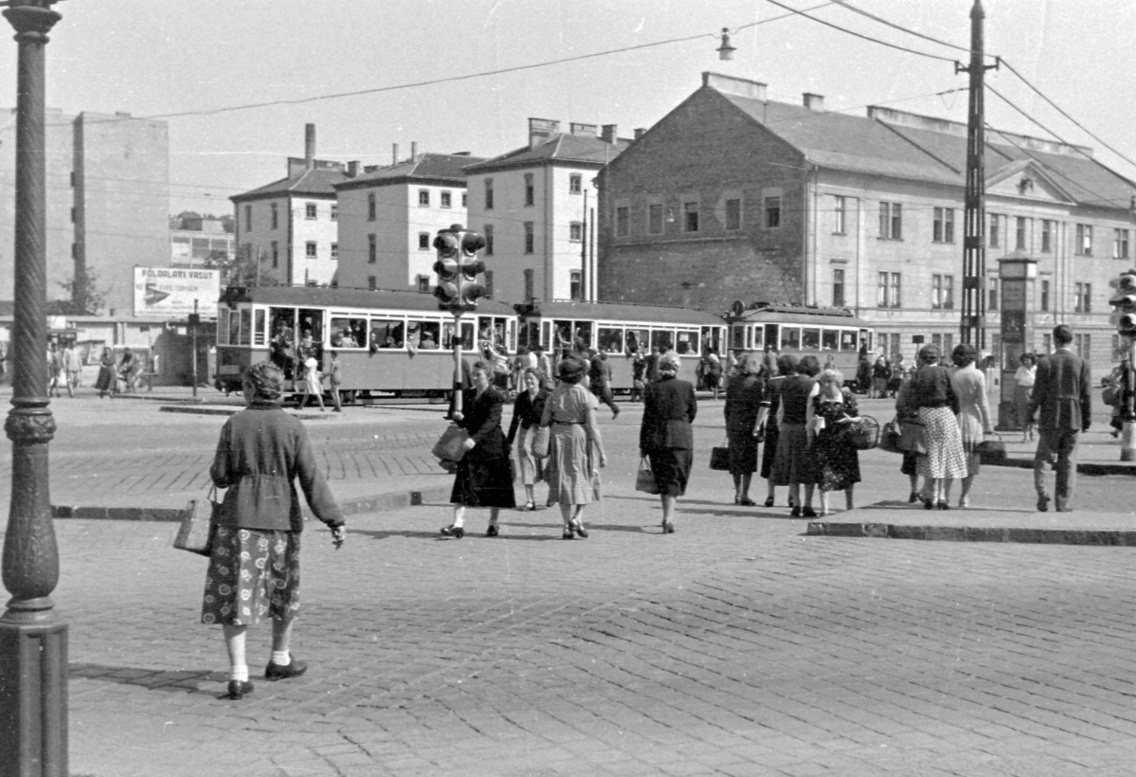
[
  {"x": 583, "y": 149},
  {"x": 314, "y": 182},
  {"x": 441, "y": 168}
]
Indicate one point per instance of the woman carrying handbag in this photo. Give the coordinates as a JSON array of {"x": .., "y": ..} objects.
[{"x": 746, "y": 410}]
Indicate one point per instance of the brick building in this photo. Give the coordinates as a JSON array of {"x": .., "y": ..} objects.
[{"x": 732, "y": 196}]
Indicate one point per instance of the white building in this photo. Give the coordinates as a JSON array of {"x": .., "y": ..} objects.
[
  {"x": 390, "y": 215},
  {"x": 536, "y": 208}
]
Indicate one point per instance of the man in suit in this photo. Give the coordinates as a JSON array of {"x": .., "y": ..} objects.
[{"x": 1063, "y": 392}]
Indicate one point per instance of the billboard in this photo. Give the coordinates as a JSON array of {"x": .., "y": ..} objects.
[{"x": 166, "y": 292}]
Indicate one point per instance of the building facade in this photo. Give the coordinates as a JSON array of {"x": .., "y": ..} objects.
[
  {"x": 195, "y": 240},
  {"x": 735, "y": 197},
  {"x": 389, "y": 216},
  {"x": 536, "y": 207}
]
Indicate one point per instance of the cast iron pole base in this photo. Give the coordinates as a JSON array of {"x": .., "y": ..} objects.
[{"x": 33, "y": 694}]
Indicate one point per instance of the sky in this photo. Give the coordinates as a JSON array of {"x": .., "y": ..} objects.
[{"x": 237, "y": 81}]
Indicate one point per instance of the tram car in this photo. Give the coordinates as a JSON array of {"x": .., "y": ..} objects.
[
  {"x": 389, "y": 342},
  {"x": 833, "y": 335},
  {"x": 622, "y": 332}
]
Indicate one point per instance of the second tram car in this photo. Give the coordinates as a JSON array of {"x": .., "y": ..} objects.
[{"x": 833, "y": 335}]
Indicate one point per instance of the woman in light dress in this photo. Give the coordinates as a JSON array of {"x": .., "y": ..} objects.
[
  {"x": 973, "y": 414},
  {"x": 1023, "y": 389}
]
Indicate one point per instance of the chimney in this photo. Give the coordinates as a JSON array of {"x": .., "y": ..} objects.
[
  {"x": 609, "y": 134},
  {"x": 640, "y": 132},
  {"x": 741, "y": 87},
  {"x": 394, "y": 153},
  {"x": 414, "y": 151},
  {"x": 541, "y": 130},
  {"x": 814, "y": 102},
  {"x": 352, "y": 169},
  {"x": 310, "y": 144}
]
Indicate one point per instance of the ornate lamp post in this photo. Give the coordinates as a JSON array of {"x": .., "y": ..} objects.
[{"x": 33, "y": 639}]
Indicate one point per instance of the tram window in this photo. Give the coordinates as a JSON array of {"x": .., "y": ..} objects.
[
  {"x": 611, "y": 339},
  {"x": 258, "y": 329},
  {"x": 758, "y": 338},
  {"x": 791, "y": 338},
  {"x": 424, "y": 335},
  {"x": 311, "y": 328},
  {"x": 493, "y": 329},
  {"x": 347, "y": 332},
  {"x": 638, "y": 340},
  {"x": 386, "y": 333},
  {"x": 662, "y": 337},
  {"x": 830, "y": 339},
  {"x": 246, "y": 326},
  {"x": 737, "y": 338},
  {"x": 582, "y": 335},
  {"x": 687, "y": 343},
  {"x": 467, "y": 336},
  {"x": 810, "y": 339},
  {"x": 711, "y": 339},
  {"x": 528, "y": 334},
  {"x": 283, "y": 323},
  {"x": 848, "y": 340}
]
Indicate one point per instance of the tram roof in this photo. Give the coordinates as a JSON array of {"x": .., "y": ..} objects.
[
  {"x": 619, "y": 311},
  {"x": 377, "y": 299},
  {"x": 791, "y": 314}
]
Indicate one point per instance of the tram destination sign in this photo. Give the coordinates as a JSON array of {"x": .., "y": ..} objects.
[{"x": 164, "y": 292}]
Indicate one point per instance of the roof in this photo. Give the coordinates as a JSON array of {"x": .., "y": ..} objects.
[
  {"x": 445, "y": 169},
  {"x": 893, "y": 144},
  {"x": 796, "y": 314},
  {"x": 378, "y": 299},
  {"x": 618, "y": 311},
  {"x": 567, "y": 148},
  {"x": 313, "y": 182}
]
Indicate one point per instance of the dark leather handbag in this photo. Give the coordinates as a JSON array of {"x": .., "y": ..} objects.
[
  {"x": 451, "y": 446},
  {"x": 913, "y": 437},
  {"x": 645, "y": 478},
  {"x": 890, "y": 437},
  {"x": 992, "y": 452},
  {"x": 720, "y": 458}
]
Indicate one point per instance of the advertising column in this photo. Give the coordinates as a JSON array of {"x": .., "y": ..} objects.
[{"x": 1017, "y": 275}]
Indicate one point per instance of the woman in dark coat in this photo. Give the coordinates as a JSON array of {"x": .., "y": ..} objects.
[
  {"x": 746, "y": 410},
  {"x": 794, "y": 464},
  {"x": 527, "y": 410},
  {"x": 254, "y": 566},
  {"x": 485, "y": 473},
  {"x": 666, "y": 437},
  {"x": 107, "y": 382},
  {"x": 786, "y": 367}
]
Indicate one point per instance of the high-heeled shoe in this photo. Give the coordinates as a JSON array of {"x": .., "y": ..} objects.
[
  {"x": 581, "y": 532},
  {"x": 745, "y": 501},
  {"x": 453, "y": 531},
  {"x": 944, "y": 506},
  {"x": 238, "y": 689},
  {"x": 928, "y": 504},
  {"x": 769, "y": 501},
  {"x": 568, "y": 534},
  {"x": 795, "y": 512},
  {"x": 808, "y": 512},
  {"x": 668, "y": 527},
  {"x": 492, "y": 531}
]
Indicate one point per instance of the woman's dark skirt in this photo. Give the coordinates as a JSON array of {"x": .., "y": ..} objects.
[
  {"x": 769, "y": 453},
  {"x": 671, "y": 467},
  {"x": 484, "y": 483},
  {"x": 743, "y": 452}
]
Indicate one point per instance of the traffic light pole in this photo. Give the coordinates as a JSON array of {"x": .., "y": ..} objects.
[
  {"x": 456, "y": 405},
  {"x": 1128, "y": 408}
]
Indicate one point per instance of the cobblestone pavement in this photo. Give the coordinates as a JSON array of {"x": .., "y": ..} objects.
[{"x": 737, "y": 646}]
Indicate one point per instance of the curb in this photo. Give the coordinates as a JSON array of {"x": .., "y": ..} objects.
[
  {"x": 357, "y": 506},
  {"x": 233, "y": 411},
  {"x": 1083, "y": 468},
  {"x": 1098, "y": 537}
]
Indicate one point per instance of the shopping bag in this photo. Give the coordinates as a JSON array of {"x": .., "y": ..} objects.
[
  {"x": 864, "y": 434},
  {"x": 992, "y": 451},
  {"x": 645, "y": 478},
  {"x": 198, "y": 524},
  {"x": 720, "y": 457},
  {"x": 540, "y": 441},
  {"x": 913, "y": 438},
  {"x": 451, "y": 446},
  {"x": 890, "y": 437}
]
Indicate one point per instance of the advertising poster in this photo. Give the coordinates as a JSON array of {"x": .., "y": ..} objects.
[{"x": 165, "y": 292}]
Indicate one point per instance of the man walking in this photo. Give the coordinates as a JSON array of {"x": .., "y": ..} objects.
[
  {"x": 72, "y": 366},
  {"x": 599, "y": 378},
  {"x": 1062, "y": 390}
]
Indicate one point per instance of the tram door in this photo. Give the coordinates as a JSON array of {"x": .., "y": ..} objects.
[{"x": 773, "y": 335}]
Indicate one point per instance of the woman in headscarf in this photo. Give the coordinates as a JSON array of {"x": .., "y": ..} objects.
[{"x": 665, "y": 435}]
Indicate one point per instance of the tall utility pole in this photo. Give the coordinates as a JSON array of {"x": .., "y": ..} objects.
[
  {"x": 33, "y": 638},
  {"x": 973, "y": 326}
]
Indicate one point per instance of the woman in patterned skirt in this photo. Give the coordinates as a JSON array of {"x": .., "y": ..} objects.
[
  {"x": 933, "y": 394},
  {"x": 973, "y": 416},
  {"x": 837, "y": 462},
  {"x": 575, "y": 448}
]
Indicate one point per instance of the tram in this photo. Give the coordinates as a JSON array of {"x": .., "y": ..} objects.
[
  {"x": 620, "y": 331},
  {"x": 833, "y": 335},
  {"x": 394, "y": 342}
]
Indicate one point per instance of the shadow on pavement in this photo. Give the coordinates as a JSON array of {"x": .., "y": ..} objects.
[{"x": 171, "y": 681}]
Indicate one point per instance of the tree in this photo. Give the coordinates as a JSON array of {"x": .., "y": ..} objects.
[
  {"x": 241, "y": 269},
  {"x": 86, "y": 296}
]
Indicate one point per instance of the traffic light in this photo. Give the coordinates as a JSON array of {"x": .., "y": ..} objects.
[
  {"x": 458, "y": 267},
  {"x": 1125, "y": 303}
]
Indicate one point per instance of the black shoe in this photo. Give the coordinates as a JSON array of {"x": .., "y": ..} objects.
[
  {"x": 808, "y": 512},
  {"x": 453, "y": 531},
  {"x": 276, "y": 672},
  {"x": 581, "y": 532},
  {"x": 615, "y": 412},
  {"x": 491, "y": 531},
  {"x": 769, "y": 502},
  {"x": 943, "y": 506},
  {"x": 668, "y": 528},
  {"x": 568, "y": 535},
  {"x": 928, "y": 504},
  {"x": 745, "y": 501},
  {"x": 795, "y": 512},
  {"x": 913, "y": 497},
  {"x": 1042, "y": 503},
  {"x": 238, "y": 689}
]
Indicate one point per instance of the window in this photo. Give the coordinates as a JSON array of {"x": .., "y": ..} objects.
[
  {"x": 993, "y": 300},
  {"x": 943, "y": 228},
  {"x": 838, "y": 288},
  {"x": 1020, "y": 233},
  {"x": 334, "y": 212},
  {"x": 489, "y": 240},
  {"x": 425, "y": 335},
  {"x": 310, "y": 249},
  {"x": 887, "y": 294},
  {"x": 275, "y": 216},
  {"x": 371, "y": 282},
  {"x": 424, "y": 198},
  {"x": 1047, "y": 235},
  {"x": 575, "y": 284},
  {"x": 370, "y": 207},
  {"x": 1084, "y": 246},
  {"x": 310, "y": 211},
  {"x": 839, "y": 215},
  {"x": 995, "y": 238},
  {"x": 1044, "y": 305},
  {"x": 489, "y": 284},
  {"x": 622, "y": 221},
  {"x": 1083, "y": 346},
  {"x": 945, "y": 342},
  {"x": 772, "y": 212},
  {"x": 335, "y": 250},
  {"x": 575, "y": 183},
  {"x": 891, "y": 221},
  {"x": 655, "y": 219},
  {"x": 349, "y": 332},
  {"x": 422, "y": 282},
  {"x": 1120, "y": 244},
  {"x": 489, "y": 194},
  {"x": 248, "y": 218},
  {"x": 690, "y": 216},
  {"x": 372, "y": 250},
  {"x": 576, "y": 232},
  {"x": 530, "y": 240},
  {"x": 423, "y": 241},
  {"x": 1082, "y": 297},
  {"x": 447, "y": 199},
  {"x": 734, "y": 214},
  {"x": 530, "y": 190},
  {"x": 942, "y": 292},
  {"x": 1047, "y": 343},
  {"x": 275, "y": 254},
  {"x": 528, "y": 285}
]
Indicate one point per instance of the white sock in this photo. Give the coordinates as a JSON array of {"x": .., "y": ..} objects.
[
  {"x": 240, "y": 672},
  {"x": 281, "y": 657},
  {"x": 459, "y": 517}
]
